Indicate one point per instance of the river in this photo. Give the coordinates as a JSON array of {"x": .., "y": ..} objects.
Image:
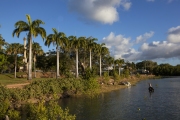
[{"x": 133, "y": 103}]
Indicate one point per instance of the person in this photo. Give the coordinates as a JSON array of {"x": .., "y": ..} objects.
[{"x": 151, "y": 89}]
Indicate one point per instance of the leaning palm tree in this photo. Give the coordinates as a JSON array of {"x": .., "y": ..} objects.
[
  {"x": 101, "y": 50},
  {"x": 33, "y": 28},
  {"x": 75, "y": 45},
  {"x": 37, "y": 50},
  {"x": 58, "y": 39},
  {"x": 91, "y": 45},
  {"x": 119, "y": 62},
  {"x": 14, "y": 49}
]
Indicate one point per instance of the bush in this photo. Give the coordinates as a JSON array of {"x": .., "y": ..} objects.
[
  {"x": 106, "y": 77},
  {"x": 116, "y": 76},
  {"x": 46, "y": 111},
  {"x": 91, "y": 87},
  {"x": 89, "y": 73}
]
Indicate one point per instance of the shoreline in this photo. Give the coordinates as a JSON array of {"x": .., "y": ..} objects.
[
  {"x": 133, "y": 80},
  {"x": 104, "y": 88}
]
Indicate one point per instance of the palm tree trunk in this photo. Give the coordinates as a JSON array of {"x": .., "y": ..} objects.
[
  {"x": 108, "y": 70},
  {"x": 77, "y": 74},
  {"x": 57, "y": 69},
  {"x": 90, "y": 60},
  {"x": 34, "y": 66},
  {"x": 15, "y": 64},
  {"x": 100, "y": 66},
  {"x": 119, "y": 71},
  {"x": 30, "y": 58}
]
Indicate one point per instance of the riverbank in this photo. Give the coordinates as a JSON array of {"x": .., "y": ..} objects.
[
  {"x": 133, "y": 81},
  {"x": 18, "y": 95}
]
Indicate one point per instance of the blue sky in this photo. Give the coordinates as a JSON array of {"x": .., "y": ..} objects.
[{"x": 134, "y": 30}]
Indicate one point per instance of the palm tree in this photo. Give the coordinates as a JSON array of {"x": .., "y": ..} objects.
[
  {"x": 58, "y": 39},
  {"x": 75, "y": 45},
  {"x": 14, "y": 49},
  {"x": 37, "y": 50},
  {"x": 119, "y": 62},
  {"x": 91, "y": 44},
  {"x": 101, "y": 50},
  {"x": 2, "y": 42},
  {"x": 33, "y": 28},
  {"x": 109, "y": 62}
]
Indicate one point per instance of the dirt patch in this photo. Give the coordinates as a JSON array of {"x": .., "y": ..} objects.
[{"x": 17, "y": 85}]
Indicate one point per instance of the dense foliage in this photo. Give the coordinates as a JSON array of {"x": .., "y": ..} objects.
[{"x": 11, "y": 100}]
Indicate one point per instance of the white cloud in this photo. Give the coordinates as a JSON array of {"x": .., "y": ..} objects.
[
  {"x": 156, "y": 50},
  {"x": 104, "y": 11},
  {"x": 126, "y": 5},
  {"x": 118, "y": 44},
  {"x": 144, "y": 37},
  {"x": 174, "y": 34},
  {"x": 169, "y": 1}
]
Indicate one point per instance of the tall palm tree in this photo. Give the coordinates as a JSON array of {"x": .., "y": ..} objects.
[
  {"x": 101, "y": 50},
  {"x": 33, "y": 28},
  {"x": 75, "y": 45},
  {"x": 91, "y": 45},
  {"x": 109, "y": 62},
  {"x": 58, "y": 39},
  {"x": 119, "y": 62},
  {"x": 14, "y": 49},
  {"x": 83, "y": 42},
  {"x": 37, "y": 50}
]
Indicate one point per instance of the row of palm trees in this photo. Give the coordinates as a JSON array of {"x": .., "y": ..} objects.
[{"x": 60, "y": 40}]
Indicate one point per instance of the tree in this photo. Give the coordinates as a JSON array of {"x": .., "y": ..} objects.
[
  {"x": 75, "y": 45},
  {"x": 91, "y": 45},
  {"x": 109, "y": 62},
  {"x": 101, "y": 50},
  {"x": 37, "y": 50},
  {"x": 33, "y": 28},
  {"x": 2, "y": 43},
  {"x": 14, "y": 49},
  {"x": 58, "y": 39},
  {"x": 119, "y": 62},
  {"x": 3, "y": 63}
]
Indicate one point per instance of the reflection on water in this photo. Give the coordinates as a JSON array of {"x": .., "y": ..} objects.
[{"x": 134, "y": 103}]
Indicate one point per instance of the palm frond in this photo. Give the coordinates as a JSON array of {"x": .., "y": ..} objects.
[
  {"x": 55, "y": 31},
  {"x": 21, "y": 24},
  {"x": 28, "y": 17}
]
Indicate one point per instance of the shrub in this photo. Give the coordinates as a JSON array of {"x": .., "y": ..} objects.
[
  {"x": 89, "y": 73},
  {"x": 91, "y": 87},
  {"x": 46, "y": 111},
  {"x": 106, "y": 77}
]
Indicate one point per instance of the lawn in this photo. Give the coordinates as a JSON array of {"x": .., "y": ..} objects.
[{"x": 8, "y": 78}]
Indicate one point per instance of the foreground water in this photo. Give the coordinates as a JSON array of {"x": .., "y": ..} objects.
[{"x": 134, "y": 103}]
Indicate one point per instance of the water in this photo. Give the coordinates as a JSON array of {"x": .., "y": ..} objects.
[{"x": 134, "y": 103}]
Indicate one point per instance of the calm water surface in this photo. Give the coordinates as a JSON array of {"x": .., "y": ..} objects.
[{"x": 134, "y": 103}]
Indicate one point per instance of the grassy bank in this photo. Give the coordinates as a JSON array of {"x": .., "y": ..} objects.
[
  {"x": 48, "y": 89},
  {"x": 133, "y": 80}
]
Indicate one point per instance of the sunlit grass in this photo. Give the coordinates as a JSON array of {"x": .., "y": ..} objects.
[{"x": 8, "y": 78}]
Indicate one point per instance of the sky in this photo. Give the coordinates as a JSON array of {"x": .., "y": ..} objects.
[{"x": 133, "y": 30}]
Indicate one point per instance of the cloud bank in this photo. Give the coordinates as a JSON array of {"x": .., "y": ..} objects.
[
  {"x": 123, "y": 47},
  {"x": 103, "y": 11}
]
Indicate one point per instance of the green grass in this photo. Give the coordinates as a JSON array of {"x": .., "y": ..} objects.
[{"x": 8, "y": 78}]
